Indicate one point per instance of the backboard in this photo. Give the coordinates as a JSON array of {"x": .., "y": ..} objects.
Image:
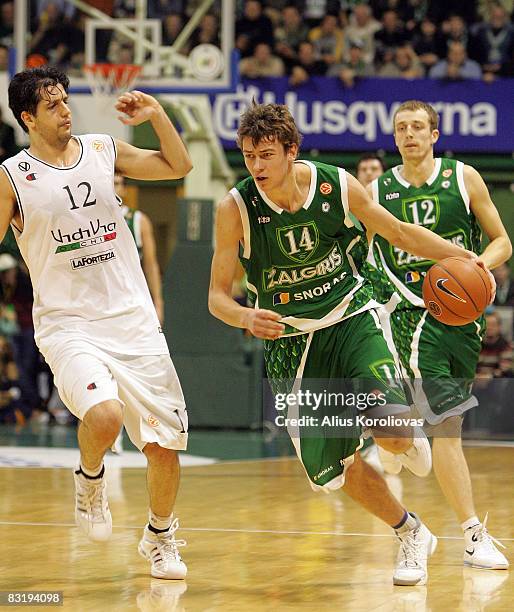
[{"x": 188, "y": 54}]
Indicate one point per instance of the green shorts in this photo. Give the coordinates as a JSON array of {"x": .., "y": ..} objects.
[
  {"x": 438, "y": 362},
  {"x": 353, "y": 349}
]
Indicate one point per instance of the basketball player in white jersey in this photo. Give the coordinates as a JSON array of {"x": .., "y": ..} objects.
[{"x": 93, "y": 315}]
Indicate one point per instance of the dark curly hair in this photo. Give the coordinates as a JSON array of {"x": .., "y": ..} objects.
[
  {"x": 268, "y": 122},
  {"x": 29, "y": 87}
]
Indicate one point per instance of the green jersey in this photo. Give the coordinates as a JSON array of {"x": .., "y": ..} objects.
[
  {"x": 306, "y": 265},
  {"x": 133, "y": 219},
  {"x": 441, "y": 205}
]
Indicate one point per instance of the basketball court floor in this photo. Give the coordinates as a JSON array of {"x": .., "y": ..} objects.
[{"x": 257, "y": 537}]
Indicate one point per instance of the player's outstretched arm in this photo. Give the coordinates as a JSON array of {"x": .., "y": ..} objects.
[
  {"x": 8, "y": 204},
  {"x": 409, "y": 237},
  {"x": 229, "y": 234},
  {"x": 172, "y": 161},
  {"x": 151, "y": 265},
  {"x": 499, "y": 248}
]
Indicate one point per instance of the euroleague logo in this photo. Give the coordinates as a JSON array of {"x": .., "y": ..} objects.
[
  {"x": 98, "y": 146},
  {"x": 325, "y": 188},
  {"x": 434, "y": 308},
  {"x": 152, "y": 421}
]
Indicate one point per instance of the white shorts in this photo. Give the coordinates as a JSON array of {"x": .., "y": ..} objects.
[{"x": 146, "y": 385}]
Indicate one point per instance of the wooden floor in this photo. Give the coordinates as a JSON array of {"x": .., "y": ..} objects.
[{"x": 258, "y": 539}]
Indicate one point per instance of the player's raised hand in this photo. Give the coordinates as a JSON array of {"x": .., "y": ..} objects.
[
  {"x": 137, "y": 107},
  {"x": 264, "y": 324}
]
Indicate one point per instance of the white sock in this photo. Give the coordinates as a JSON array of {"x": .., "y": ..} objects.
[
  {"x": 410, "y": 524},
  {"x": 160, "y": 523},
  {"x": 91, "y": 473},
  {"x": 471, "y": 522}
]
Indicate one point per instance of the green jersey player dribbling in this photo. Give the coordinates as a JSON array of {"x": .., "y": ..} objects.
[
  {"x": 297, "y": 227},
  {"x": 439, "y": 361}
]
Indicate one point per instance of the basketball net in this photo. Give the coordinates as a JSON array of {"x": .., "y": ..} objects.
[{"x": 108, "y": 81}]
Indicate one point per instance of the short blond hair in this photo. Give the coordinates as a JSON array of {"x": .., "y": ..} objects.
[{"x": 414, "y": 105}]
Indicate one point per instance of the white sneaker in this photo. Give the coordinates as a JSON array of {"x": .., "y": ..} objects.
[
  {"x": 162, "y": 550},
  {"x": 92, "y": 512},
  {"x": 416, "y": 546},
  {"x": 418, "y": 459},
  {"x": 480, "y": 550}
]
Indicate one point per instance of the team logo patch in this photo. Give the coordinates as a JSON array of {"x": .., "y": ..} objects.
[
  {"x": 434, "y": 308},
  {"x": 412, "y": 277},
  {"x": 98, "y": 146},
  {"x": 445, "y": 184},
  {"x": 447, "y": 173},
  {"x": 24, "y": 166},
  {"x": 280, "y": 299},
  {"x": 152, "y": 421},
  {"x": 31, "y": 177},
  {"x": 254, "y": 200},
  {"x": 325, "y": 207},
  {"x": 91, "y": 386},
  {"x": 325, "y": 188},
  {"x": 387, "y": 182}
]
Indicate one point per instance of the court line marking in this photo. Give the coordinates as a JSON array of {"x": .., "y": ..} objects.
[
  {"x": 249, "y": 531},
  {"x": 494, "y": 443}
]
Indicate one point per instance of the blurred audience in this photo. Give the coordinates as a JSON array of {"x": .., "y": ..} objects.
[
  {"x": 428, "y": 43},
  {"x": 7, "y": 24},
  {"x": 362, "y": 29},
  {"x": 207, "y": 33},
  {"x": 328, "y": 40},
  {"x": 252, "y": 28},
  {"x": 494, "y": 41},
  {"x": 8, "y": 146},
  {"x": 289, "y": 34},
  {"x": 504, "y": 286},
  {"x": 495, "y": 359},
  {"x": 261, "y": 64},
  {"x": 456, "y": 66},
  {"x": 354, "y": 67},
  {"x": 306, "y": 65},
  {"x": 16, "y": 290},
  {"x": 391, "y": 35},
  {"x": 394, "y": 38},
  {"x": 404, "y": 65},
  {"x": 10, "y": 394}
]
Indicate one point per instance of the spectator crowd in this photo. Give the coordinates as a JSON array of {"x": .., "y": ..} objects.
[{"x": 349, "y": 39}]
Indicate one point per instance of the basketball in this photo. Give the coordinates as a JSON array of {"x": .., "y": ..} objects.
[{"x": 456, "y": 291}]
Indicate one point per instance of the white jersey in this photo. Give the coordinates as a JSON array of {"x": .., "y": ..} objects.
[{"x": 83, "y": 262}]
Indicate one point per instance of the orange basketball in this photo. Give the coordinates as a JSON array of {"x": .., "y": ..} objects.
[{"x": 456, "y": 291}]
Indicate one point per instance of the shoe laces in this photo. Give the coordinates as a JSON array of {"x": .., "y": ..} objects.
[
  {"x": 166, "y": 546},
  {"x": 91, "y": 494},
  {"x": 482, "y": 536},
  {"x": 412, "y": 548}
]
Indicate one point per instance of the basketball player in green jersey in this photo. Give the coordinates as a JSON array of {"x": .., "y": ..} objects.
[
  {"x": 440, "y": 361},
  {"x": 296, "y": 227}
]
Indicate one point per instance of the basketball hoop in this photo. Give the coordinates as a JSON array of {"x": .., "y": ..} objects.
[{"x": 109, "y": 80}]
